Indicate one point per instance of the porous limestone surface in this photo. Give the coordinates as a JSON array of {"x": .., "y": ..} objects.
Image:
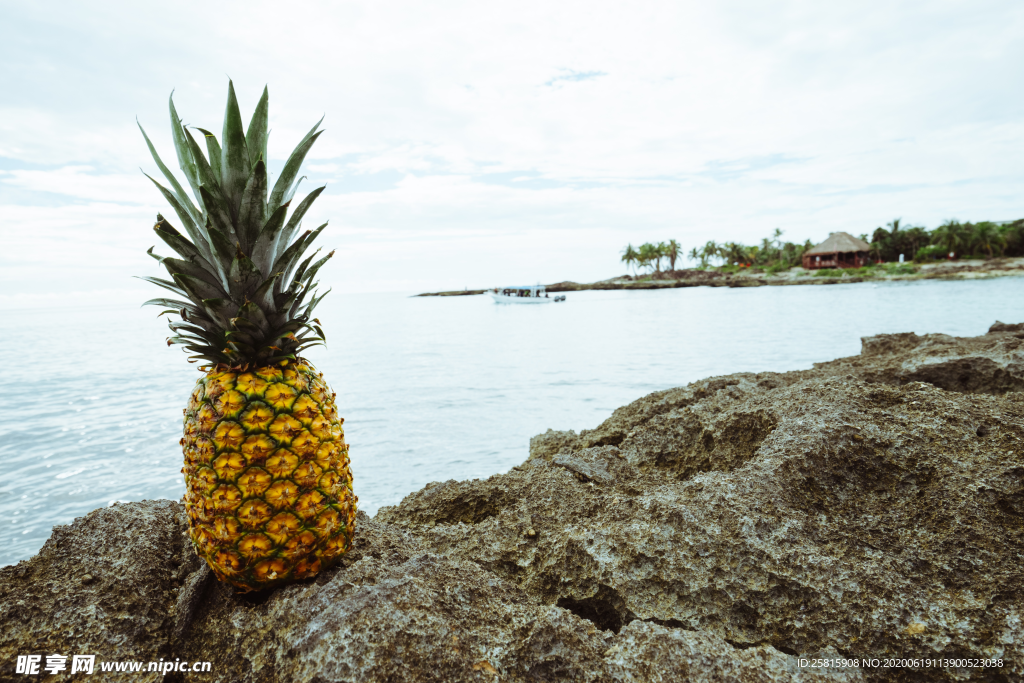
[
  {"x": 105, "y": 585},
  {"x": 727, "y": 530}
]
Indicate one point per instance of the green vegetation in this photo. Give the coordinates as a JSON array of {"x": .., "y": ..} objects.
[
  {"x": 985, "y": 240},
  {"x": 872, "y": 270},
  {"x": 840, "y": 272},
  {"x": 651, "y": 255},
  {"x": 930, "y": 253},
  {"x": 982, "y": 240},
  {"x": 772, "y": 255},
  {"x": 899, "y": 269}
]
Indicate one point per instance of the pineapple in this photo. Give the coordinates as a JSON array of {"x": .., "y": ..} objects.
[{"x": 268, "y": 487}]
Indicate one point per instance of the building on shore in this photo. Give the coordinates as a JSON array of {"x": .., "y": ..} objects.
[{"x": 840, "y": 250}]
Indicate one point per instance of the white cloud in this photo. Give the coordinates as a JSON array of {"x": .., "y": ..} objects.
[{"x": 82, "y": 182}]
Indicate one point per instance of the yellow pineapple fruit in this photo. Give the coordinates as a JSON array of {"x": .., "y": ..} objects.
[{"x": 268, "y": 487}]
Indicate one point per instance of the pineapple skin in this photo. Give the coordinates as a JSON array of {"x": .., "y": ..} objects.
[{"x": 268, "y": 486}]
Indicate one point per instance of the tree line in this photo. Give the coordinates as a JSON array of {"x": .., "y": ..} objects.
[
  {"x": 651, "y": 255},
  {"x": 985, "y": 239},
  {"x": 952, "y": 237}
]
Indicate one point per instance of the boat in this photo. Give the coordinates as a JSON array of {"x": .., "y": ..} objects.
[{"x": 530, "y": 294}]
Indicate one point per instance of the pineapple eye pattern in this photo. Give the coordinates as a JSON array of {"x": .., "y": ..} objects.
[
  {"x": 257, "y": 448},
  {"x": 284, "y": 428},
  {"x": 273, "y": 483},
  {"x": 280, "y": 396},
  {"x": 257, "y": 417},
  {"x": 251, "y": 385}
]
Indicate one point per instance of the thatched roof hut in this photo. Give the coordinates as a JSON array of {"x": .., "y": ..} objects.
[{"x": 840, "y": 250}]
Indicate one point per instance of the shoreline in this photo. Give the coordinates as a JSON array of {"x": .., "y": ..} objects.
[{"x": 946, "y": 270}]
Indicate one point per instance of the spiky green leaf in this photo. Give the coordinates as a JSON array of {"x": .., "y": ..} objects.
[
  {"x": 256, "y": 136},
  {"x": 184, "y": 248},
  {"x": 264, "y": 294},
  {"x": 297, "y": 277},
  {"x": 224, "y": 249},
  {"x": 243, "y": 276},
  {"x": 235, "y": 166},
  {"x": 251, "y": 213},
  {"x": 194, "y": 212},
  {"x": 197, "y": 288},
  {"x": 212, "y": 150},
  {"x": 309, "y": 274},
  {"x": 166, "y": 284},
  {"x": 252, "y": 313},
  {"x": 234, "y": 309},
  {"x": 286, "y": 262},
  {"x": 291, "y": 169},
  {"x": 314, "y": 302},
  {"x": 216, "y": 223},
  {"x": 263, "y": 252},
  {"x": 221, "y": 311},
  {"x": 175, "y": 304},
  {"x": 285, "y": 237},
  {"x": 175, "y": 240},
  {"x": 293, "y": 312},
  {"x": 194, "y": 270},
  {"x": 209, "y": 185},
  {"x": 198, "y": 236},
  {"x": 181, "y": 147}
]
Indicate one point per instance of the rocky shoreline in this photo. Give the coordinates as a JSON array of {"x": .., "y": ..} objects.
[
  {"x": 952, "y": 270},
  {"x": 871, "y": 507}
]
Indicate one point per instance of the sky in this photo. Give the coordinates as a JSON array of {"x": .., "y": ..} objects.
[{"x": 474, "y": 144}]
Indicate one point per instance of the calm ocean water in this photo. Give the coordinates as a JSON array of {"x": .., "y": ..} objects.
[{"x": 431, "y": 388}]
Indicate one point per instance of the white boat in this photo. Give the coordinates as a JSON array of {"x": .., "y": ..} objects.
[{"x": 530, "y": 294}]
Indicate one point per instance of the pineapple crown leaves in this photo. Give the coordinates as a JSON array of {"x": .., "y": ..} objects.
[{"x": 245, "y": 294}]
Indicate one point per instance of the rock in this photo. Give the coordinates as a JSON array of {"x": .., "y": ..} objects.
[
  {"x": 888, "y": 344},
  {"x": 733, "y": 529},
  {"x": 1004, "y": 327},
  {"x": 990, "y": 364},
  {"x": 591, "y": 469},
  {"x": 551, "y": 443},
  {"x": 649, "y": 653},
  {"x": 104, "y": 585}
]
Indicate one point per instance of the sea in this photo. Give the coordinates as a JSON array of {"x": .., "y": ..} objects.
[{"x": 431, "y": 388}]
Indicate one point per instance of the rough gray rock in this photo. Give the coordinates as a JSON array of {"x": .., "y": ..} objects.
[
  {"x": 1006, "y": 327},
  {"x": 551, "y": 443},
  {"x": 725, "y": 530},
  {"x": 106, "y": 585},
  {"x": 989, "y": 364}
]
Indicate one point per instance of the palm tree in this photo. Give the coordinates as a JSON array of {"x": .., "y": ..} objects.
[
  {"x": 876, "y": 251},
  {"x": 768, "y": 251},
  {"x": 915, "y": 237},
  {"x": 709, "y": 251},
  {"x": 987, "y": 236},
  {"x": 672, "y": 252},
  {"x": 694, "y": 255},
  {"x": 1013, "y": 237},
  {"x": 650, "y": 255},
  {"x": 734, "y": 253},
  {"x": 951, "y": 235},
  {"x": 630, "y": 257}
]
